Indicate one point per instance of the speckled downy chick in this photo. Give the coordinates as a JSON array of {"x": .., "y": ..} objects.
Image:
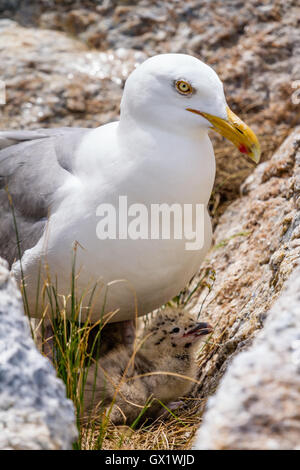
[{"x": 169, "y": 345}]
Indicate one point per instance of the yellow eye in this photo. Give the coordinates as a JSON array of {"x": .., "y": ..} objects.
[{"x": 183, "y": 87}]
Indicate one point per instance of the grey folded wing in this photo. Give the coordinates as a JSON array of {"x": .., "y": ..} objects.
[{"x": 33, "y": 166}]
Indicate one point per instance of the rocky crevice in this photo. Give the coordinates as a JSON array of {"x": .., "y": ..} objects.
[
  {"x": 257, "y": 403},
  {"x": 256, "y": 248}
]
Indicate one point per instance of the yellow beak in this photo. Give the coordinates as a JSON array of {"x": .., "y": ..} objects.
[{"x": 235, "y": 130}]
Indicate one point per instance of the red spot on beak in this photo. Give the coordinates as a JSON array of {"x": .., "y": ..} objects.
[{"x": 243, "y": 149}]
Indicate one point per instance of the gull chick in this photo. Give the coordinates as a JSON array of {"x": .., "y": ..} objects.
[{"x": 163, "y": 368}]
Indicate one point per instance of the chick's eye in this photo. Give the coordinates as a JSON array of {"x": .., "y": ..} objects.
[
  {"x": 175, "y": 330},
  {"x": 183, "y": 87}
]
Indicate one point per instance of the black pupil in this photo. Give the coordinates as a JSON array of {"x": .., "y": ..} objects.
[{"x": 175, "y": 330}]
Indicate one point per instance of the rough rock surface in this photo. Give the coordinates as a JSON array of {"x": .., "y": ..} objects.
[
  {"x": 66, "y": 76},
  {"x": 54, "y": 80},
  {"x": 257, "y": 246},
  {"x": 258, "y": 401},
  {"x": 34, "y": 411}
]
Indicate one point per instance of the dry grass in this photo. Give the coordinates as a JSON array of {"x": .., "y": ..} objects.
[{"x": 163, "y": 434}]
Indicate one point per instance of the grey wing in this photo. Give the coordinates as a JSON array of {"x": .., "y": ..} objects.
[{"x": 33, "y": 166}]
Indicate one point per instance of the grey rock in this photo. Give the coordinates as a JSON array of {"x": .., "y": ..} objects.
[
  {"x": 34, "y": 411},
  {"x": 6, "y": 23},
  {"x": 258, "y": 401}
]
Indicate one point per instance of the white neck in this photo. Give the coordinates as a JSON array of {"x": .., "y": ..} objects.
[{"x": 183, "y": 162}]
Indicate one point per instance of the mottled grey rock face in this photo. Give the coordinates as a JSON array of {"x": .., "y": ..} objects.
[
  {"x": 256, "y": 249},
  {"x": 258, "y": 401},
  {"x": 34, "y": 411}
]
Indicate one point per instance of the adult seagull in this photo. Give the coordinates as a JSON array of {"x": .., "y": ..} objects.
[{"x": 53, "y": 181}]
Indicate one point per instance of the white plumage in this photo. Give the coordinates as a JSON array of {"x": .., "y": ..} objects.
[{"x": 158, "y": 152}]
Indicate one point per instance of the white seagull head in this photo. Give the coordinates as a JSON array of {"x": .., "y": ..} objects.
[{"x": 179, "y": 93}]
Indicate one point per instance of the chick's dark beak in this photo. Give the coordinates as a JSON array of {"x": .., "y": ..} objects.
[{"x": 201, "y": 329}]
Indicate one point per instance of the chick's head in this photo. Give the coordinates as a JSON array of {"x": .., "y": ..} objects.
[{"x": 175, "y": 329}]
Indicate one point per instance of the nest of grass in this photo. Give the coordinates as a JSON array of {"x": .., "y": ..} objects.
[{"x": 168, "y": 434}]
